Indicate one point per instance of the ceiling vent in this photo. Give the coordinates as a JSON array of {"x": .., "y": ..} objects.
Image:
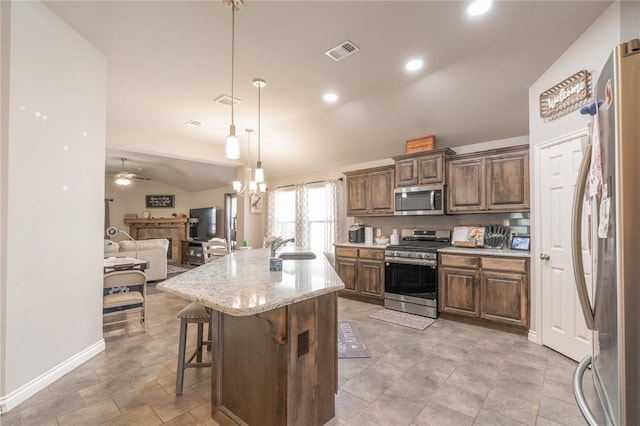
[
  {"x": 193, "y": 123},
  {"x": 226, "y": 100},
  {"x": 342, "y": 50}
]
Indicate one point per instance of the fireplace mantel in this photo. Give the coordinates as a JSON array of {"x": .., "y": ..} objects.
[{"x": 172, "y": 228}]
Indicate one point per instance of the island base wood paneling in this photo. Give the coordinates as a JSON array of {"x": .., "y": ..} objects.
[{"x": 276, "y": 369}]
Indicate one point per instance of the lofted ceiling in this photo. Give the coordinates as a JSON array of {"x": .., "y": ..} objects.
[{"x": 169, "y": 60}]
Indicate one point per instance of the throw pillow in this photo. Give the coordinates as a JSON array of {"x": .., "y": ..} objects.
[{"x": 111, "y": 246}]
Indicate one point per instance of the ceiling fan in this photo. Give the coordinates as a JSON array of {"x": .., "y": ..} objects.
[{"x": 125, "y": 178}]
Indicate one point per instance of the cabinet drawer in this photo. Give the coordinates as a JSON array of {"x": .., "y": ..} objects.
[
  {"x": 346, "y": 252},
  {"x": 459, "y": 261},
  {"x": 504, "y": 264},
  {"x": 374, "y": 254}
]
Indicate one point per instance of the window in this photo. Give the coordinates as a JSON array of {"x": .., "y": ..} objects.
[
  {"x": 308, "y": 213},
  {"x": 285, "y": 215},
  {"x": 318, "y": 225}
]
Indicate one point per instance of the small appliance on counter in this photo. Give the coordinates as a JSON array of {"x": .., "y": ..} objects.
[
  {"x": 368, "y": 235},
  {"x": 356, "y": 233}
]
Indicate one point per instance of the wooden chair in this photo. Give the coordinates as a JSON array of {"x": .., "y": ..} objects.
[
  {"x": 214, "y": 248},
  {"x": 125, "y": 293}
]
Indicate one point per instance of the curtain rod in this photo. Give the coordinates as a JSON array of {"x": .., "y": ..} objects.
[{"x": 308, "y": 183}]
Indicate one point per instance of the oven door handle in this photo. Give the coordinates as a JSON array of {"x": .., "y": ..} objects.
[{"x": 408, "y": 261}]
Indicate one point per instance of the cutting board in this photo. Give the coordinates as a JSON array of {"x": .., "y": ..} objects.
[{"x": 468, "y": 236}]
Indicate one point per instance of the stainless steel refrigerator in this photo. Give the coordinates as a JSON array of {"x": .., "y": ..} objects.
[{"x": 611, "y": 175}]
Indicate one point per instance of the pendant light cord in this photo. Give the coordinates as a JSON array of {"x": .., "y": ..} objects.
[
  {"x": 233, "y": 44},
  {"x": 259, "y": 126}
]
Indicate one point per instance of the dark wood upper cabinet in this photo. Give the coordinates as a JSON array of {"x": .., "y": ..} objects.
[
  {"x": 423, "y": 168},
  {"x": 508, "y": 181},
  {"x": 467, "y": 187},
  {"x": 370, "y": 191},
  {"x": 496, "y": 180}
]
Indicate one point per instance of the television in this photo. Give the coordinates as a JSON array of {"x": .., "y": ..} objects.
[{"x": 202, "y": 223}]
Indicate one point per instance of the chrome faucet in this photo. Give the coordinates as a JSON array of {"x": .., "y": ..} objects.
[{"x": 277, "y": 243}]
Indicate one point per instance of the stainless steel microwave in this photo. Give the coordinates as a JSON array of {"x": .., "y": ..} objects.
[{"x": 419, "y": 200}]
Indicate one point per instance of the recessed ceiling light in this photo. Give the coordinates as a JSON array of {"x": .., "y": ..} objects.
[
  {"x": 479, "y": 7},
  {"x": 330, "y": 97},
  {"x": 414, "y": 65},
  {"x": 193, "y": 123}
]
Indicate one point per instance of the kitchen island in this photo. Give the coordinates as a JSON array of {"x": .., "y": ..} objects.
[{"x": 274, "y": 355}]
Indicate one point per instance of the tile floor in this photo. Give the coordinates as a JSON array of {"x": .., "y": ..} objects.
[{"x": 448, "y": 374}]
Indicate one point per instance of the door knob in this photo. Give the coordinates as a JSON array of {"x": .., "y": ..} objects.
[{"x": 544, "y": 256}]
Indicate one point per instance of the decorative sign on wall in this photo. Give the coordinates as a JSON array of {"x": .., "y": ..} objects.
[
  {"x": 158, "y": 201},
  {"x": 566, "y": 96}
]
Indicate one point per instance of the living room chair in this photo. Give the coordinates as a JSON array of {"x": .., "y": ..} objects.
[
  {"x": 194, "y": 313},
  {"x": 214, "y": 248},
  {"x": 124, "y": 293}
]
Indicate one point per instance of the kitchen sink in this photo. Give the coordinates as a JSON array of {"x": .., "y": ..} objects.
[{"x": 297, "y": 255}]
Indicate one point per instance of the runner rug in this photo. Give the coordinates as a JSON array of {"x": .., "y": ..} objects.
[
  {"x": 403, "y": 318},
  {"x": 350, "y": 343}
]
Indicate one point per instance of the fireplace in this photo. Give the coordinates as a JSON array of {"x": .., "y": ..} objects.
[{"x": 173, "y": 229}]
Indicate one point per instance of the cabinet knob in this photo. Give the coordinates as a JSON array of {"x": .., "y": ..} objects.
[{"x": 544, "y": 256}]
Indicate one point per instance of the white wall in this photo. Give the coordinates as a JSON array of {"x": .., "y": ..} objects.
[
  {"x": 51, "y": 226},
  {"x": 589, "y": 52},
  {"x": 132, "y": 199}
]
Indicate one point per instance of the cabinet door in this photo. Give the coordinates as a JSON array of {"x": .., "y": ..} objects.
[
  {"x": 407, "y": 172},
  {"x": 430, "y": 169},
  {"x": 508, "y": 182},
  {"x": 346, "y": 269},
  {"x": 504, "y": 298},
  {"x": 371, "y": 278},
  {"x": 467, "y": 186},
  {"x": 381, "y": 192},
  {"x": 459, "y": 292},
  {"x": 357, "y": 194}
]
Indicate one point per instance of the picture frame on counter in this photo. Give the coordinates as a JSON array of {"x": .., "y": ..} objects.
[{"x": 521, "y": 242}]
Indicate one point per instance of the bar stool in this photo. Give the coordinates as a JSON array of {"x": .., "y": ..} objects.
[{"x": 194, "y": 313}]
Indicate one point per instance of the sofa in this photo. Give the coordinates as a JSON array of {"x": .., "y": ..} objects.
[{"x": 153, "y": 251}]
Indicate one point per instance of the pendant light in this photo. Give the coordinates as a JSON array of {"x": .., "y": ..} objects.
[
  {"x": 249, "y": 186},
  {"x": 232, "y": 143},
  {"x": 259, "y": 173}
]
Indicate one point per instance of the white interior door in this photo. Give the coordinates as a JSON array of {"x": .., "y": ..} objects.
[{"x": 563, "y": 325}]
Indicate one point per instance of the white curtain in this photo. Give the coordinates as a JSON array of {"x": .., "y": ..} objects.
[
  {"x": 272, "y": 214},
  {"x": 334, "y": 214},
  {"x": 302, "y": 216}
]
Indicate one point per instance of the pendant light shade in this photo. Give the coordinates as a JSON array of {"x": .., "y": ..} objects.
[{"x": 232, "y": 144}]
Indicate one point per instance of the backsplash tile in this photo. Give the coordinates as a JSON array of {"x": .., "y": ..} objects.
[{"x": 518, "y": 222}]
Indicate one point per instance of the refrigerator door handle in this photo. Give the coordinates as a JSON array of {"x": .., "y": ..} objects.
[
  {"x": 579, "y": 393},
  {"x": 576, "y": 237}
]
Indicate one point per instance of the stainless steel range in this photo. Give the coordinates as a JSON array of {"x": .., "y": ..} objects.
[{"x": 411, "y": 271}]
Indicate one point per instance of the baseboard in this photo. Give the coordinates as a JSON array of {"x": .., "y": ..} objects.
[
  {"x": 36, "y": 385},
  {"x": 533, "y": 337}
]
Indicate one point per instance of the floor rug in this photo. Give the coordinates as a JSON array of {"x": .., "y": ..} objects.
[
  {"x": 350, "y": 343},
  {"x": 403, "y": 318},
  {"x": 173, "y": 269}
]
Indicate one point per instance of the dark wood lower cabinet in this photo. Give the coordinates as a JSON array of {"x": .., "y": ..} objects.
[
  {"x": 459, "y": 292},
  {"x": 276, "y": 368},
  {"x": 490, "y": 289},
  {"x": 504, "y": 298},
  {"x": 362, "y": 272}
]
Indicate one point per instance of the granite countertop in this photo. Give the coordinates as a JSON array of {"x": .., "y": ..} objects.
[
  {"x": 362, "y": 245},
  {"x": 240, "y": 284},
  {"x": 485, "y": 251}
]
